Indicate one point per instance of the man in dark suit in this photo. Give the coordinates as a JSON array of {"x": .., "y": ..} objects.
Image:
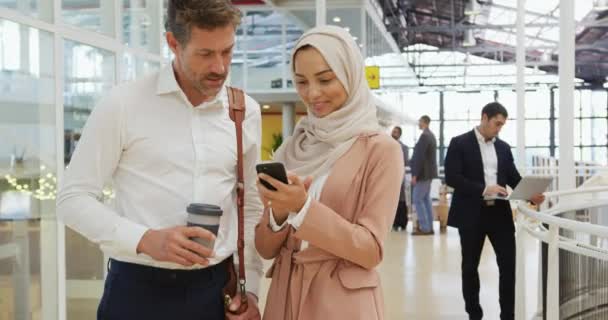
[
  {"x": 401, "y": 219},
  {"x": 424, "y": 170},
  {"x": 479, "y": 164}
]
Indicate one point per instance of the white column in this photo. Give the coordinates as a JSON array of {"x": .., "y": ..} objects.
[
  {"x": 566, "y": 95},
  {"x": 321, "y": 10},
  {"x": 520, "y": 86},
  {"x": 289, "y": 118}
]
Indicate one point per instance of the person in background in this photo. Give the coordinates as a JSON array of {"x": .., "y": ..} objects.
[
  {"x": 480, "y": 164},
  {"x": 400, "y": 222},
  {"x": 424, "y": 170}
]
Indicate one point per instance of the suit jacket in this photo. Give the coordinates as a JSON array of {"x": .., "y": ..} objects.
[
  {"x": 424, "y": 159},
  {"x": 335, "y": 277},
  {"x": 406, "y": 155},
  {"x": 464, "y": 171}
]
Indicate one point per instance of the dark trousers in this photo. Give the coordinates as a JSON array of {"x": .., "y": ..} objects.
[
  {"x": 401, "y": 216},
  {"x": 502, "y": 237},
  {"x": 135, "y": 291}
]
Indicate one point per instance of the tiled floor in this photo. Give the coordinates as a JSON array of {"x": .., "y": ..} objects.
[{"x": 420, "y": 277}]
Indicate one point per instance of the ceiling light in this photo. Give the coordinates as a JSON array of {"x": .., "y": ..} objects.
[
  {"x": 469, "y": 39},
  {"x": 355, "y": 38},
  {"x": 337, "y": 19},
  {"x": 472, "y": 8},
  {"x": 266, "y": 107},
  {"x": 347, "y": 29}
]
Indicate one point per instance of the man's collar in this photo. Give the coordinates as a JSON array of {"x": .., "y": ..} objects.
[{"x": 481, "y": 138}]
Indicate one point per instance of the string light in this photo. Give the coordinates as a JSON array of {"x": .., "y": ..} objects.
[{"x": 47, "y": 187}]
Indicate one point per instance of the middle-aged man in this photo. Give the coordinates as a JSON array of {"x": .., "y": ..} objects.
[
  {"x": 479, "y": 164},
  {"x": 166, "y": 141},
  {"x": 400, "y": 221},
  {"x": 424, "y": 170}
]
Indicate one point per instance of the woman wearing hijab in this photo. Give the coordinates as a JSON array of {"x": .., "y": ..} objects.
[{"x": 326, "y": 228}]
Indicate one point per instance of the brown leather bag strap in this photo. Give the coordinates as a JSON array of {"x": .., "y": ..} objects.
[{"x": 236, "y": 102}]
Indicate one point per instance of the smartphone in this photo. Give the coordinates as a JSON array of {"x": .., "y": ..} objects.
[{"x": 273, "y": 169}]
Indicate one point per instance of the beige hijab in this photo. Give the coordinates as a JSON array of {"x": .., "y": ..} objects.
[{"x": 317, "y": 143}]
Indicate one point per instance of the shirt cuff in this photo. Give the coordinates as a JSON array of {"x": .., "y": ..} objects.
[
  {"x": 128, "y": 235},
  {"x": 273, "y": 223},
  {"x": 296, "y": 220},
  {"x": 484, "y": 191}
]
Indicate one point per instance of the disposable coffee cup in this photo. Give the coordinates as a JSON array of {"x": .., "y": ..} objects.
[{"x": 206, "y": 216}]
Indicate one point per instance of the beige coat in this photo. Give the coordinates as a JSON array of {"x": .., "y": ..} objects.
[{"x": 335, "y": 277}]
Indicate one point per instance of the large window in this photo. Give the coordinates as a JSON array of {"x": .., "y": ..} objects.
[
  {"x": 40, "y": 9},
  {"x": 93, "y": 15},
  {"x": 263, "y": 43},
  {"x": 462, "y": 112},
  {"x": 141, "y": 27},
  {"x": 28, "y": 171}
]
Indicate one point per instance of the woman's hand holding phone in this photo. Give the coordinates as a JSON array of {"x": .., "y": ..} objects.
[{"x": 287, "y": 198}]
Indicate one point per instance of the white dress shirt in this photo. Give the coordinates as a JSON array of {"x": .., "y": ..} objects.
[
  {"x": 161, "y": 154},
  {"x": 295, "y": 219},
  {"x": 488, "y": 156}
]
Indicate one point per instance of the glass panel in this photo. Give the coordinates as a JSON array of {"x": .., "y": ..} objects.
[
  {"x": 509, "y": 132},
  {"x": 538, "y": 104},
  {"x": 416, "y": 105},
  {"x": 456, "y": 128},
  {"x": 165, "y": 51},
  {"x": 237, "y": 65},
  {"x": 136, "y": 67},
  {"x": 141, "y": 24},
  {"x": 349, "y": 18},
  {"x": 595, "y": 155},
  {"x": 537, "y": 132},
  {"x": 593, "y": 131},
  {"x": 508, "y": 98},
  {"x": 237, "y": 68},
  {"x": 264, "y": 49},
  {"x": 28, "y": 169},
  {"x": 594, "y": 104},
  {"x": 41, "y": 9},
  {"x": 577, "y": 132},
  {"x": 293, "y": 33},
  {"x": 465, "y": 105},
  {"x": 535, "y": 152},
  {"x": 94, "y": 15},
  {"x": 89, "y": 73}
]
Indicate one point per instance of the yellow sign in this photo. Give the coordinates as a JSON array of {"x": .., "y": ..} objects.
[{"x": 372, "y": 73}]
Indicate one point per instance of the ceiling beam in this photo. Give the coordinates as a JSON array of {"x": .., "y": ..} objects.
[
  {"x": 463, "y": 27},
  {"x": 528, "y": 12}
]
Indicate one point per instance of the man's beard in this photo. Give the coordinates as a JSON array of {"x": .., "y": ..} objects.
[{"x": 198, "y": 84}]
